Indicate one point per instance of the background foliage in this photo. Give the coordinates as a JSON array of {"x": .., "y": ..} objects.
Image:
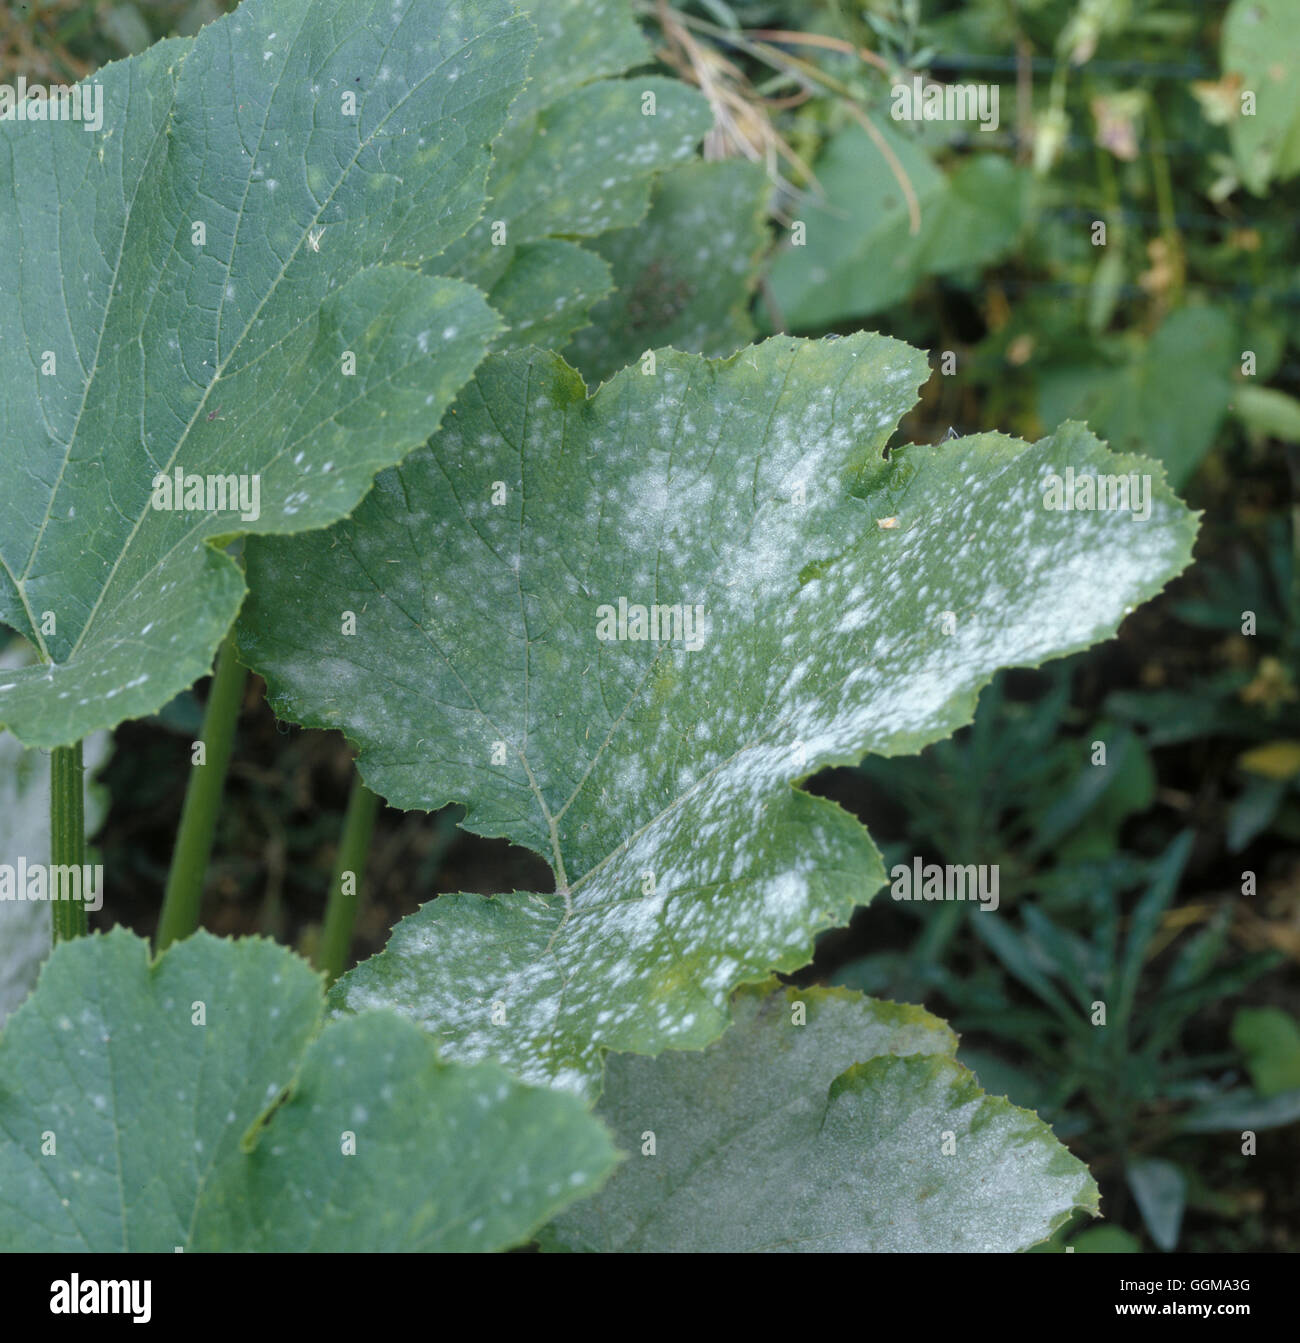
[{"x": 1123, "y": 883}]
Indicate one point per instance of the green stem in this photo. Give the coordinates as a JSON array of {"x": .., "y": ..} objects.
[
  {"x": 1164, "y": 186},
  {"x": 67, "y": 835},
  {"x": 1291, "y": 639},
  {"x": 341, "y": 909},
  {"x": 184, "y": 893}
]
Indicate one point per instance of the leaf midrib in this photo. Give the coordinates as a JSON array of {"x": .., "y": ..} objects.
[
  {"x": 19, "y": 583},
  {"x": 362, "y": 145}
]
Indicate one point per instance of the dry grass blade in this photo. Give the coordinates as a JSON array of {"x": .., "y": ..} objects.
[
  {"x": 742, "y": 116},
  {"x": 742, "y": 124}
]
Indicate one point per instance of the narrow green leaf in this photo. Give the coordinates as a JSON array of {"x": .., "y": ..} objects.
[
  {"x": 1160, "y": 1191},
  {"x": 1167, "y": 872},
  {"x": 1019, "y": 959},
  {"x": 1243, "y": 1109},
  {"x": 1267, "y": 412}
]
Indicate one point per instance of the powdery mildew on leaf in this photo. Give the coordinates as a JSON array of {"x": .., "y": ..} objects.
[
  {"x": 547, "y": 291},
  {"x": 181, "y": 288},
  {"x": 576, "y": 159},
  {"x": 578, "y": 41},
  {"x": 655, "y": 777},
  {"x": 821, "y": 1121},
  {"x": 682, "y": 274},
  {"x": 126, "y": 1123}
]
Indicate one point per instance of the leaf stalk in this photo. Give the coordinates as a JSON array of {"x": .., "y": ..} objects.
[
  {"x": 183, "y": 896},
  {"x": 341, "y": 908},
  {"x": 67, "y": 837}
]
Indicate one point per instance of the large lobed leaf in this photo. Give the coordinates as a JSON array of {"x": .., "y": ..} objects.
[
  {"x": 126, "y": 1123},
  {"x": 224, "y": 357},
  {"x": 853, "y": 603},
  {"x": 681, "y": 275},
  {"x": 578, "y": 42},
  {"x": 576, "y": 159},
  {"x": 821, "y": 1121}
]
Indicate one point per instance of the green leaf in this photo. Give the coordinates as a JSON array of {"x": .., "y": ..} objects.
[
  {"x": 1242, "y": 1109},
  {"x": 579, "y": 167},
  {"x": 1267, "y": 412},
  {"x": 1001, "y": 1078},
  {"x": 124, "y": 25},
  {"x": 576, "y": 159},
  {"x": 654, "y": 777},
  {"x": 1166, "y": 396},
  {"x": 1261, "y": 46},
  {"x": 547, "y": 292},
  {"x": 457, "y": 1157},
  {"x": 1253, "y": 810},
  {"x": 25, "y": 834},
  {"x": 1160, "y": 1191},
  {"x": 1023, "y": 960},
  {"x": 1270, "y": 1040},
  {"x": 860, "y": 254},
  {"x": 853, "y": 1132},
  {"x": 681, "y": 276},
  {"x": 1104, "y": 289},
  {"x": 1144, "y": 923},
  {"x": 1129, "y": 786},
  {"x": 578, "y": 42},
  {"x": 131, "y": 347},
  {"x": 128, "y": 1124},
  {"x": 1105, "y": 1240}
]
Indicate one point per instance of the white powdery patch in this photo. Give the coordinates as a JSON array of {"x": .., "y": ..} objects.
[{"x": 685, "y": 760}]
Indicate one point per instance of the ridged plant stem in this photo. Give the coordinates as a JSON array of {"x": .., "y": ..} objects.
[
  {"x": 341, "y": 908},
  {"x": 183, "y": 897},
  {"x": 67, "y": 835}
]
